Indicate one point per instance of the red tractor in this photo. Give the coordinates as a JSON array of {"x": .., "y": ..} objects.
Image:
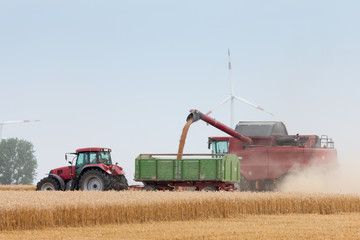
[{"x": 93, "y": 170}]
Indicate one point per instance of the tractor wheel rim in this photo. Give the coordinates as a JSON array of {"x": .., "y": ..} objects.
[
  {"x": 94, "y": 184},
  {"x": 48, "y": 187}
]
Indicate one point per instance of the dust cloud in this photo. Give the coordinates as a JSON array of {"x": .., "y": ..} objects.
[{"x": 343, "y": 179}]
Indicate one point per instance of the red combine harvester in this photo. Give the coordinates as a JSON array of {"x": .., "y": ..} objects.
[
  {"x": 93, "y": 170},
  {"x": 268, "y": 152}
]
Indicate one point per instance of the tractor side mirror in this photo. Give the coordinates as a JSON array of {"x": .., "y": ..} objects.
[
  {"x": 66, "y": 157},
  {"x": 116, "y": 163}
]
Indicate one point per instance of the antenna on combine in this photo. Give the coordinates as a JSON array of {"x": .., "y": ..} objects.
[
  {"x": 13, "y": 122},
  {"x": 232, "y": 97}
]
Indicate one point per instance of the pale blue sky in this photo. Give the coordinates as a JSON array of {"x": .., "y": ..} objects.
[{"x": 124, "y": 74}]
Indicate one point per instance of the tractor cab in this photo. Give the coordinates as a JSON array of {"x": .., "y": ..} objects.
[
  {"x": 87, "y": 157},
  {"x": 92, "y": 156}
]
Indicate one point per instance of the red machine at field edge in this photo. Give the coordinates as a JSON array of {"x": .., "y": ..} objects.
[
  {"x": 268, "y": 152},
  {"x": 93, "y": 170}
]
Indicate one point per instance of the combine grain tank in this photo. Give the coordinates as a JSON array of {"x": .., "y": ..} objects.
[{"x": 218, "y": 172}]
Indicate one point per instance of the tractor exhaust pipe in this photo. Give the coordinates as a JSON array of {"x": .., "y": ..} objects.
[{"x": 196, "y": 115}]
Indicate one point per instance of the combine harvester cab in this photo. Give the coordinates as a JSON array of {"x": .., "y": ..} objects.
[
  {"x": 93, "y": 170},
  {"x": 268, "y": 153},
  {"x": 216, "y": 172}
]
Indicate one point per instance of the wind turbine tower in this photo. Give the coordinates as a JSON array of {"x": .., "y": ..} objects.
[
  {"x": 233, "y": 96},
  {"x": 13, "y": 122}
]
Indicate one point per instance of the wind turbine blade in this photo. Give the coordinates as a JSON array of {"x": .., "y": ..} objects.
[
  {"x": 253, "y": 105},
  {"x": 19, "y": 121},
  {"x": 219, "y": 105}
]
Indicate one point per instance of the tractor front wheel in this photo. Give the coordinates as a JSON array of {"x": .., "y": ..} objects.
[
  {"x": 48, "y": 184},
  {"x": 95, "y": 180}
]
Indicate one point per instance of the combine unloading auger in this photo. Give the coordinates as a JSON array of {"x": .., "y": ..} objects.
[{"x": 196, "y": 115}]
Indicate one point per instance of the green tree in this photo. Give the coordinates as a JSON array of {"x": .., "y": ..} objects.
[{"x": 17, "y": 162}]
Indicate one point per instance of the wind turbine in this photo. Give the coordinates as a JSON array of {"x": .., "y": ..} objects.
[
  {"x": 232, "y": 97},
  {"x": 13, "y": 122}
]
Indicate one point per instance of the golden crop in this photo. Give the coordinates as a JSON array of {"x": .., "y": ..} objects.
[
  {"x": 265, "y": 227},
  {"x": 17, "y": 187},
  {"x": 33, "y": 210}
]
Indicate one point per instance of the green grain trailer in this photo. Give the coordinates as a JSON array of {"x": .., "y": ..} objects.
[{"x": 216, "y": 172}]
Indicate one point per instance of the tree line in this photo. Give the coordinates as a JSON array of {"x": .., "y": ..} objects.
[{"x": 17, "y": 162}]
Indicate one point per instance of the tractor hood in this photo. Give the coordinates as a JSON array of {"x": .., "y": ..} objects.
[{"x": 63, "y": 172}]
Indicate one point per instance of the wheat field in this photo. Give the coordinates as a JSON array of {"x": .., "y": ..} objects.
[
  {"x": 288, "y": 226},
  {"x": 17, "y": 187},
  {"x": 37, "y": 210}
]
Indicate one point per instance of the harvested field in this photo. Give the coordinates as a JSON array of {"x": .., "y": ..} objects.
[
  {"x": 37, "y": 210},
  {"x": 288, "y": 226}
]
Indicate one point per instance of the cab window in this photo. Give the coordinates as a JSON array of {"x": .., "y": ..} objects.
[
  {"x": 93, "y": 157},
  {"x": 220, "y": 147},
  {"x": 104, "y": 157},
  {"x": 82, "y": 159}
]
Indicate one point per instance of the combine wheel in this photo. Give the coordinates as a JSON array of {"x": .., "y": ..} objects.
[
  {"x": 209, "y": 188},
  {"x": 95, "y": 180},
  {"x": 244, "y": 184},
  {"x": 149, "y": 187},
  {"x": 48, "y": 184}
]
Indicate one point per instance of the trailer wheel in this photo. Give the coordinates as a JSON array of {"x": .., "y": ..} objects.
[
  {"x": 209, "y": 188},
  {"x": 48, "y": 184},
  {"x": 95, "y": 180},
  {"x": 149, "y": 187}
]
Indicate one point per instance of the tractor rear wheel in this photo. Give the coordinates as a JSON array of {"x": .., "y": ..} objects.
[
  {"x": 48, "y": 184},
  {"x": 119, "y": 182},
  {"x": 95, "y": 180}
]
